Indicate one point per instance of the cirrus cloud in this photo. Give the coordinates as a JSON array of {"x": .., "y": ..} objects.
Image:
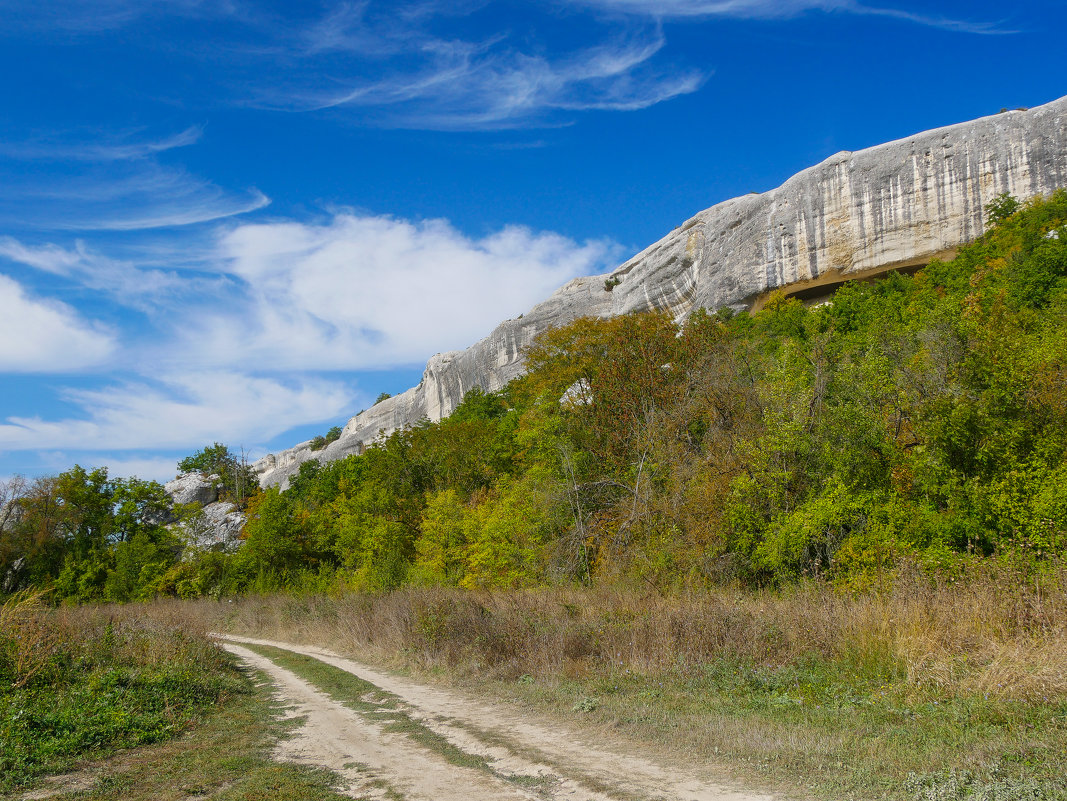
[{"x": 779, "y": 9}]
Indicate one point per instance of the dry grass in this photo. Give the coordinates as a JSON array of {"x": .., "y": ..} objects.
[
  {"x": 1000, "y": 631},
  {"x": 809, "y": 691},
  {"x": 28, "y": 637}
]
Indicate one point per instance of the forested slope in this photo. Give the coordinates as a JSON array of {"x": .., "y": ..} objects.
[{"x": 919, "y": 418}]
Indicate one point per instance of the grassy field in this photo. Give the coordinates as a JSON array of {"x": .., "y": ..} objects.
[
  {"x": 927, "y": 690},
  {"x": 112, "y": 703}
]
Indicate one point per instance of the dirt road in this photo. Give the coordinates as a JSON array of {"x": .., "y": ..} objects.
[{"x": 405, "y": 740}]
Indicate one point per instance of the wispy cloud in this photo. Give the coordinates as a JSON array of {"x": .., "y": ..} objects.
[
  {"x": 39, "y": 335},
  {"x": 135, "y": 285},
  {"x": 193, "y": 204},
  {"x": 79, "y": 17},
  {"x": 181, "y": 411},
  {"x": 112, "y": 184},
  {"x": 49, "y": 257},
  {"x": 110, "y": 148},
  {"x": 460, "y": 85},
  {"x": 778, "y": 9}
]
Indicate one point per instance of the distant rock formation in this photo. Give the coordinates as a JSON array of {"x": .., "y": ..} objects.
[
  {"x": 856, "y": 215},
  {"x": 208, "y": 523}
]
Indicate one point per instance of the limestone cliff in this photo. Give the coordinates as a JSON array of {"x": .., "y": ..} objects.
[{"x": 856, "y": 214}]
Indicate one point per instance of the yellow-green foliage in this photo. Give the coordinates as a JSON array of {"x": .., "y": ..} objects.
[
  {"x": 919, "y": 418},
  {"x": 916, "y": 418}
]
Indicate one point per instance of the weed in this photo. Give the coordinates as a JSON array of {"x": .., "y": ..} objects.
[{"x": 585, "y": 704}]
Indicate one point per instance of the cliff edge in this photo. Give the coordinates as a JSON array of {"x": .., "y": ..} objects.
[{"x": 855, "y": 215}]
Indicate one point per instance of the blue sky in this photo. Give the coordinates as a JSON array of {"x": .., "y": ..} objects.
[{"x": 240, "y": 221}]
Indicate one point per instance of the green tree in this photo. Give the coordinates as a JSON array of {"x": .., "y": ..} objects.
[
  {"x": 239, "y": 481},
  {"x": 1001, "y": 208},
  {"x": 274, "y": 544}
]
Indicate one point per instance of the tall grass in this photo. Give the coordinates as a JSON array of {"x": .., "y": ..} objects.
[
  {"x": 82, "y": 682},
  {"x": 928, "y": 688},
  {"x": 1000, "y": 631}
]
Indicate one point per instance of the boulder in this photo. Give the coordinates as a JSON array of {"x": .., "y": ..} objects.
[{"x": 193, "y": 488}]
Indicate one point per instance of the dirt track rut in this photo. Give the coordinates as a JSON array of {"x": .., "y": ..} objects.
[{"x": 522, "y": 758}]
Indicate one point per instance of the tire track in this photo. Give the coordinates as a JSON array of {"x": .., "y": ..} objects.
[{"x": 528, "y": 759}]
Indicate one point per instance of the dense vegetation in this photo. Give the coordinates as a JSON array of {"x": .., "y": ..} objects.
[{"x": 919, "y": 419}]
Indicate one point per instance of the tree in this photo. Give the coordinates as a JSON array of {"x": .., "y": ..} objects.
[
  {"x": 239, "y": 481},
  {"x": 1001, "y": 208},
  {"x": 69, "y": 529},
  {"x": 272, "y": 544}
]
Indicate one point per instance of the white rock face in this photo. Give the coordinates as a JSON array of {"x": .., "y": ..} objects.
[
  {"x": 218, "y": 528},
  {"x": 856, "y": 214},
  {"x": 218, "y": 524},
  {"x": 193, "y": 488}
]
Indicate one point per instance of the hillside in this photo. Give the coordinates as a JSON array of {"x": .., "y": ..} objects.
[{"x": 895, "y": 206}]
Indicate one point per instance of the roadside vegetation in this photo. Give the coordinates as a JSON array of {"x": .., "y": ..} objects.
[
  {"x": 120, "y": 703},
  {"x": 946, "y": 690},
  {"x": 74, "y": 685}
]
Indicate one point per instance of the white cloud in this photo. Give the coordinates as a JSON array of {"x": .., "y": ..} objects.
[
  {"x": 749, "y": 9},
  {"x": 213, "y": 205},
  {"x": 145, "y": 467},
  {"x": 49, "y": 257},
  {"x": 182, "y": 411},
  {"x": 122, "y": 147},
  {"x": 389, "y": 63},
  {"x": 112, "y": 183},
  {"x": 45, "y": 336},
  {"x": 466, "y": 85},
  {"x": 352, "y": 292},
  {"x": 124, "y": 281},
  {"x": 363, "y": 291},
  {"x": 776, "y": 9},
  {"x": 79, "y": 17},
  {"x": 140, "y": 196}
]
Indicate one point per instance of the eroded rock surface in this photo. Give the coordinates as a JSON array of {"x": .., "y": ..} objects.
[
  {"x": 193, "y": 488},
  {"x": 218, "y": 527},
  {"x": 206, "y": 523},
  {"x": 856, "y": 214}
]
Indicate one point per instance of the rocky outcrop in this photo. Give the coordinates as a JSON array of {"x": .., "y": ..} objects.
[
  {"x": 855, "y": 215},
  {"x": 217, "y": 527},
  {"x": 206, "y": 523},
  {"x": 193, "y": 488}
]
